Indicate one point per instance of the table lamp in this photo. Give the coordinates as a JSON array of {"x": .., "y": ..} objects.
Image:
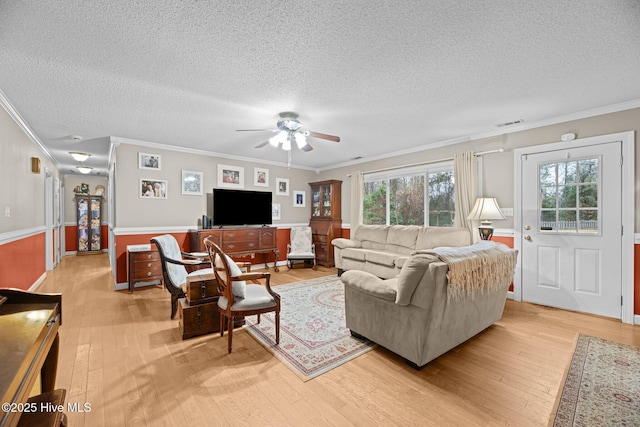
[{"x": 486, "y": 209}]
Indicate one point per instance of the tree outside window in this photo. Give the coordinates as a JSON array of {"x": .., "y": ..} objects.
[{"x": 407, "y": 200}]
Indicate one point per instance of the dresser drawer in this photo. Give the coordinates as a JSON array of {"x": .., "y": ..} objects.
[
  {"x": 146, "y": 270},
  {"x": 319, "y": 238},
  {"x": 144, "y": 256},
  {"x": 241, "y": 235},
  {"x": 239, "y": 246}
]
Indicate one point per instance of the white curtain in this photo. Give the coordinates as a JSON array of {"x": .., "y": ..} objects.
[
  {"x": 357, "y": 187},
  {"x": 465, "y": 170}
]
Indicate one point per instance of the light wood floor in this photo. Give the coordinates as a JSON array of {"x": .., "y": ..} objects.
[{"x": 122, "y": 354}]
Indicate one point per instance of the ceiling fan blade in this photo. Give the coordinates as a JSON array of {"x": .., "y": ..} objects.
[
  {"x": 262, "y": 144},
  {"x": 322, "y": 136},
  {"x": 256, "y": 130},
  {"x": 306, "y": 147}
]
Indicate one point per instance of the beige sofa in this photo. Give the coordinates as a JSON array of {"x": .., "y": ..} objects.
[
  {"x": 383, "y": 249},
  {"x": 418, "y": 314}
]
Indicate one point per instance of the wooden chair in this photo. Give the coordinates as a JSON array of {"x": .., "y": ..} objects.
[
  {"x": 301, "y": 247},
  {"x": 237, "y": 297},
  {"x": 173, "y": 262}
]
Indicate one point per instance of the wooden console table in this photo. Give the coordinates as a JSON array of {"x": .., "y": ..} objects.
[
  {"x": 241, "y": 241},
  {"x": 29, "y": 344}
]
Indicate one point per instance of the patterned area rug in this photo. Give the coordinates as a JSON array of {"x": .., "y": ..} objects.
[
  {"x": 602, "y": 386},
  {"x": 313, "y": 335}
]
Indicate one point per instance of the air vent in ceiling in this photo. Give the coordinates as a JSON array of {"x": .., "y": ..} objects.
[{"x": 515, "y": 122}]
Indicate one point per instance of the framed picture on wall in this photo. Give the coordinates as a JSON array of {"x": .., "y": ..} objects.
[
  {"x": 230, "y": 176},
  {"x": 152, "y": 189},
  {"x": 282, "y": 187},
  {"x": 149, "y": 161},
  {"x": 275, "y": 211},
  {"x": 261, "y": 177},
  {"x": 299, "y": 199},
  {"x": 192, "y": 183}
]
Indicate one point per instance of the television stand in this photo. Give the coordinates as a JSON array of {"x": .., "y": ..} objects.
[{"x": 239, "y": 242}]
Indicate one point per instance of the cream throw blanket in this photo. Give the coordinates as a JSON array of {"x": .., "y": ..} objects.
[{"x": 483, "y": 267}]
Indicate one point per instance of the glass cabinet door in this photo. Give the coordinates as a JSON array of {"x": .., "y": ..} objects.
[
  {"x": 315, "y": 200},
  {"x": 326, "y": 200},
  {"x": 95, "y": 225},
  {"x": 83, "y": 225}
]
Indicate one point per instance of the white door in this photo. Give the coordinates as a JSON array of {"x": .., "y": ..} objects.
[{"x": 572, "y": 229}]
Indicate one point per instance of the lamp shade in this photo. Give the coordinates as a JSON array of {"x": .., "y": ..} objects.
[{"x": 486, "y": 208}]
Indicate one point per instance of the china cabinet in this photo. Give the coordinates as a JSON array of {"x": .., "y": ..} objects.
[
  {"x": 326, "y": 218},
  {"x": 89, "y": 211}
]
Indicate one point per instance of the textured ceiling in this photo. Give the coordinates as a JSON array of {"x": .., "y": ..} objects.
[{"x": 383, "y": 75}]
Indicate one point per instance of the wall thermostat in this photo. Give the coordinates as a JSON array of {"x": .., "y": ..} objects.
[{"x": 568, "y": 137}]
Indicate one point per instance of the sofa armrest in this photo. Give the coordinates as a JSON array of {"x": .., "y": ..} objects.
[
  {"x": 343, "y": 243},
  {"x": 368, "y": 283}
]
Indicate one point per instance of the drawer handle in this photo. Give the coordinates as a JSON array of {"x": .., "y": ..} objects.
[
  {"x": 251, "y": 234},
  {"x": 231, "y": 235},
  {"x": 148, "y": 273},
  {"x": 231, "y": 246},
  {"x": 251, "y": 244},
  {"x": 149, "y": 264},
  {"x": 149, "y": 256}
]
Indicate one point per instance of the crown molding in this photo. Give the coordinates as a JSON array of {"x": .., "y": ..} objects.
[
  {"x": 593, "y": 112},
  {"x": 118, "y": 140}
]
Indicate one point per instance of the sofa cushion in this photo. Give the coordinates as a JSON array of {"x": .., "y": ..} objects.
[
  {"x": 383, "y": 258},
  {"x": 372, "y": 236},
  {"x": 370, "y": 284},
  {"x": 411, "y": 274},
  {"x": 354, "y": 253},
  {"x": 399, "y": 262},
  {"x": 402, "y": 238},
  {"x": 434, "y": 237}
]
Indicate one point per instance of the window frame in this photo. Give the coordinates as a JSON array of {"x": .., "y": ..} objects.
[{"x": 424, "y": 170}]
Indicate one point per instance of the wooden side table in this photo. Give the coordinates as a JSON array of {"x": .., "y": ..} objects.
[{"x": 143, "y": 265}]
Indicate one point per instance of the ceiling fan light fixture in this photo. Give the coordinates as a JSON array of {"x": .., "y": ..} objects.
[
  {"x": 301, "y": 139},
  {"x": 78, "y": 156},
  {"x": 286, "y": 145}
]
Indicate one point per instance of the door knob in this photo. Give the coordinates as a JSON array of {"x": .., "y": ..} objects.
[
  {"x": 526, "y": 227},
  {"x": 527, "y": 237}
]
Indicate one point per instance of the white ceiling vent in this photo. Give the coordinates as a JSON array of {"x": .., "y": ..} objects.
[{"x": 515, "y": 122}]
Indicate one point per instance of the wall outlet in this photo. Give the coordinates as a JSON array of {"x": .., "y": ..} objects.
[
  {"x": 507, "y": 211},
  {"x": 7, "y": 211}
]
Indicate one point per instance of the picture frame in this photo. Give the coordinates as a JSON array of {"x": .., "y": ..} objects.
[
  {"x": 230, "y": 176},
  {"x": 275, "y": 211},
  {"x": 152, "y": 189},
  {"x": 149, "y": 161},
  {"x": 282, "y": 187},
  {"x": 260, "y": 177},
  {"x": 299, "y": 199},
  {"x": 192, "y": 183}
]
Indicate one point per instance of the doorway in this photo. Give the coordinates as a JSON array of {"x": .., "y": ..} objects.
[{"x": 572, "y": 208}]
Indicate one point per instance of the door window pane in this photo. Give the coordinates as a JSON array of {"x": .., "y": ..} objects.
[{"x": 569, "y": 196}]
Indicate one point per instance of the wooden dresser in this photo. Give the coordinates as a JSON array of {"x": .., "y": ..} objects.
[
  {"x": 326, "y": 218},
  {"x": 239, "y": 241},
  {"x": 143, "y": 265}
]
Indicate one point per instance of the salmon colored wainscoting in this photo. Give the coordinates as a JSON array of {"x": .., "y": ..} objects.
[
  {"x": 71, "y": 237},
  {"x": 22, "y": 262}
]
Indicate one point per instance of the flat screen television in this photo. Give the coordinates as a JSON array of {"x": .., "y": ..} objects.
[{"x": 241, "y": 207}]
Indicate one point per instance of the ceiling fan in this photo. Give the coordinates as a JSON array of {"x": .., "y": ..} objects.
[{"x": 288, "y": 131}]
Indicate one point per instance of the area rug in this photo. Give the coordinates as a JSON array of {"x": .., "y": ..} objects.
[
  {"x": 602, "y": 386},
  {"x": 313, "y": 335}
]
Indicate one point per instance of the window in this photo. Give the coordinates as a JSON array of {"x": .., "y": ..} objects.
[
  {"x": 568, "y": 196},
  {"x": 411, "y": 196}
]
